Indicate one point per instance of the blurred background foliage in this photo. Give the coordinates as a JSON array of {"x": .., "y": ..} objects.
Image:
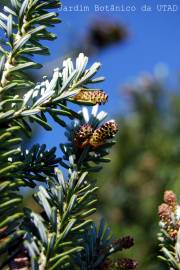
[
  {"x": 145, "y": 160},
  {"x": 144, "y": 163}
]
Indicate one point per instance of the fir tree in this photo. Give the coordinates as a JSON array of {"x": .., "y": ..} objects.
[{"x": 63, "y": 235}]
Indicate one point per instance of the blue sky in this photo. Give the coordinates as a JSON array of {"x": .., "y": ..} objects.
[{"x": 154, "y": 38}]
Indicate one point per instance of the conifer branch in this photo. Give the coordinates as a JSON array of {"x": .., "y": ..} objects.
[
  {"x": 56, "y": 238},
  {"x": 169, "y": 213},
  {"x": 25, "y": 25}
]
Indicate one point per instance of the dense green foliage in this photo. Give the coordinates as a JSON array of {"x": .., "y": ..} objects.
[{"x": 62, "y": 235}]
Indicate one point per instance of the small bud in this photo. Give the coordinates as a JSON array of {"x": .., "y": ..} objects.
[
  {"x": 173, "y": 232},
  {"x": 164, "y": 211},
  {"x": 125, "y": 264},
  {"x": 103, "y": 133},
  {"x": 123, "y": 243},
  {"x": 82, "y": 135},
  {"x": 170, "y": 197},
  {"x": 94, "y": 96},
  {"x": 21, "y": 261}
]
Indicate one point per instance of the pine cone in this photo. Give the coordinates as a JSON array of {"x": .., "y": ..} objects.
[
  {"x": 82, "y": 135},
  {"x": 103, "y": 133},
  {"x": 123, "y": 243},
  {"x": 93, "y": 96},
  {"x": 164, "y": 212},
  {"x": 125, "y": 264}
]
